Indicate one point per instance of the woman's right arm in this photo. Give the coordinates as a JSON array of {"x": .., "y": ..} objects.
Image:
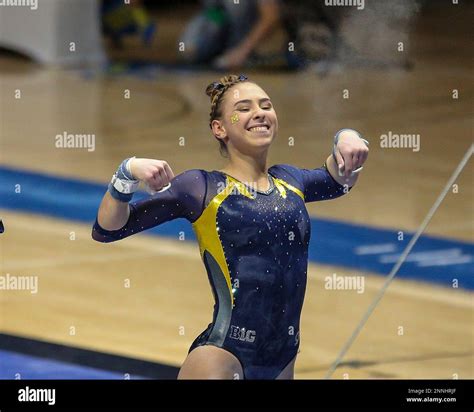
[
  {"x": 183, "y": 198},
  {"x": 113, "y": 214}
]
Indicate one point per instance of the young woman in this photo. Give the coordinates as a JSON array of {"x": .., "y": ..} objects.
[{"x": 252, "y": 227}]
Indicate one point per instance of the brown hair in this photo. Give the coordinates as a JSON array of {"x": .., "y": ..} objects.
[{"x": 216, "y": 91}]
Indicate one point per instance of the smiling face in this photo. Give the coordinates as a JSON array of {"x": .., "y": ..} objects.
[{"x": 248, "y": 122}]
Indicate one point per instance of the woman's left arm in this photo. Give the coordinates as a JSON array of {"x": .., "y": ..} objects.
[{"x": 351, "y": 152}]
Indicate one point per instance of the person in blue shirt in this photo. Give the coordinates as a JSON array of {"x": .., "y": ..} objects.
[{"x": 252, "y": 227}]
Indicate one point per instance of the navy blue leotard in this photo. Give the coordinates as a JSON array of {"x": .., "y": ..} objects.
[{"x": 254, "y": 246}]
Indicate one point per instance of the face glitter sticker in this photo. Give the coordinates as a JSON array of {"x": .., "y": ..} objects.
[{"x": 234, "y": 118}]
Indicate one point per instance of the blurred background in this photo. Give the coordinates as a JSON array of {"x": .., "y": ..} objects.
[{"x": 86, "y": 84}]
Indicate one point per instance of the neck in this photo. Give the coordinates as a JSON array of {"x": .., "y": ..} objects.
[{"x": 247, "y": 167}]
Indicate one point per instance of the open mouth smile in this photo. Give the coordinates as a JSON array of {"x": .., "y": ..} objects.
[{"x": 259, "y": 128}]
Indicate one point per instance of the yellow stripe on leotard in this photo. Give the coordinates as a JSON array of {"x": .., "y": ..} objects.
[{"x": 207, "y": 232}]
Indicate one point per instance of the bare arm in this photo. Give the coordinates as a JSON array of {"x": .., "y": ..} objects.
[{"x": 112, "y": 214}]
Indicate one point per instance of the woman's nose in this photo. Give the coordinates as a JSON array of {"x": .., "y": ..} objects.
[{"x": 258, "y": 113}]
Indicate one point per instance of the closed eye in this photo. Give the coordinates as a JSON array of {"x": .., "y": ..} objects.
[{"x": 246, "y": 109}]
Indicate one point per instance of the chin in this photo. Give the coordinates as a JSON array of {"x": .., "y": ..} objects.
[
  {"x": 252, "y": 137},
  {"x": 262, "y": 143},
  {"x": 259, "y": 140}
]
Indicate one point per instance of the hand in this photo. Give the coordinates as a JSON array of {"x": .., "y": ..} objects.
[
  {"x": 351, "y": 152},
  {"x": 231, "y": 59},
  {"x": 156, "y": 174}
]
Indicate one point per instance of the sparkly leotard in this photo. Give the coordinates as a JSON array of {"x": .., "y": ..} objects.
[{"x": 254, "y": 246}]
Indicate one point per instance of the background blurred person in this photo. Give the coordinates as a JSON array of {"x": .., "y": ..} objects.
[{"x": 120, "y": 19}]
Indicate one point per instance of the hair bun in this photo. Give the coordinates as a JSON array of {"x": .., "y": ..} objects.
[
  {"x": 211, "y": 90},
  {"x": 224, "y": 83}
]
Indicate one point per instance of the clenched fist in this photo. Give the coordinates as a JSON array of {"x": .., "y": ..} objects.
[
  {"x": 156, "y": 174},
  {"x": 351, "y": 152}
]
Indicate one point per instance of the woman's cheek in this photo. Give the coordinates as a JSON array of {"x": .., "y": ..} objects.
[{"x": 234, "y": 118}]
